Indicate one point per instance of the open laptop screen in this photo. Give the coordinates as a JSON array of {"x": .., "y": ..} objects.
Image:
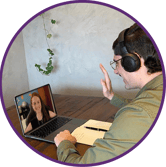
[{"x": 35, "y": 108}]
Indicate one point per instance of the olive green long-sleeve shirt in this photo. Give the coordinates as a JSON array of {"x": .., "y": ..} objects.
[{"x": 131, "y": 122}]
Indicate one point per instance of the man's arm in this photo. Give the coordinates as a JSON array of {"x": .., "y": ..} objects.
[
  {"x": 130, "y": 125},
  {"x": 119, "y": 101}
]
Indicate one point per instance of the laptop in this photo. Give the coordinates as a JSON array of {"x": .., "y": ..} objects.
[{"x": 38, "y": 116}]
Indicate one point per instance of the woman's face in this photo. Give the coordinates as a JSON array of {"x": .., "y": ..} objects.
[{"x": 36, "y": 104}]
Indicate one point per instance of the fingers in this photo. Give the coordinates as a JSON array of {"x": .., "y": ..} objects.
[
  {"x": 104, "y": 85},
  {"x": 66, "y": 131},
  {"x": 107, "y": 79},
  {"x": 102, "y": 68},
  {"x": 64, "y": 135},
  {"x": 104, "y": 71}
]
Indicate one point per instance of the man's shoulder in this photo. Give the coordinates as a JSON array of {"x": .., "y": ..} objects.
[{"x": 148, "y": 103}]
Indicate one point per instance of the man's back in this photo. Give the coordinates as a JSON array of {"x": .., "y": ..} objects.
[{"x": 131, "y": 123}]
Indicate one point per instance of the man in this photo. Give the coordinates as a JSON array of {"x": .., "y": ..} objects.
[{"x": 137, "y": 62}]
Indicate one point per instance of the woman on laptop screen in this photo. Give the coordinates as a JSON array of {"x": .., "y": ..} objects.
[{"x": 39, "y": 113}]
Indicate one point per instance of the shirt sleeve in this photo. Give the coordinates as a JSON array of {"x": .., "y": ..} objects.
[
  {"x": 67, "y": 152},
  {"x": 130, "y": 125},
  {"x": 119, "y": 101}
]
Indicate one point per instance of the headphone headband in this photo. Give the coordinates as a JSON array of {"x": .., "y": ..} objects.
[
  {"x": 121, "y": 44},
  {"x": 122, "y": 35}
]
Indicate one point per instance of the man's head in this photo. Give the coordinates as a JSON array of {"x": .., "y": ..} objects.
[
  {"x": 138, "y": 57},
  {"x": 134, "y": 40}
]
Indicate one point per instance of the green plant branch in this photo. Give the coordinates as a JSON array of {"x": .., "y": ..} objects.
[
  {"x": 46, "y": 32},
  {"x": 49, "y": 67}
]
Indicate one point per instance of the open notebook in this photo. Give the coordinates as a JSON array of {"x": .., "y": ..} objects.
[{"x": 88, "y": 136}]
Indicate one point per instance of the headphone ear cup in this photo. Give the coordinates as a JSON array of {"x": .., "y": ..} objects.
[{"x": 131, "y": 62}]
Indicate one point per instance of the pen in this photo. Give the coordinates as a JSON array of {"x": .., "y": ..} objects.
[{"x": 98, "y": 129}]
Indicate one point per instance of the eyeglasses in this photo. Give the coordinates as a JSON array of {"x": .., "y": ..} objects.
[{"x": 113, "y": 64}]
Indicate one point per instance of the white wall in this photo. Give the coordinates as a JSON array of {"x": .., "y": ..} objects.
[
  {"x": 15, "y": 78},
  {"x": 82, "y": 39}
]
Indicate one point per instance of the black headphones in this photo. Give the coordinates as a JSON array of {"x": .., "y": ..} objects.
[{"x": 130, "y": 61}]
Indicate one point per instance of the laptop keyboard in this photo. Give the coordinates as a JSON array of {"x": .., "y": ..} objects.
[{"x": 50, "y": 127}]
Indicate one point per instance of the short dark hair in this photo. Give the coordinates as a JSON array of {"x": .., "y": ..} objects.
[{"x": 136, "y": 41}]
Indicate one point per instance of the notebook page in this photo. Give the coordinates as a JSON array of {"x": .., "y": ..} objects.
[
  {"x": 97, "y": 124},
  {"x": 88, "y": 136}
]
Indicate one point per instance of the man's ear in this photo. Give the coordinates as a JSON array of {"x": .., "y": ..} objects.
[
  {"x": 142, "y": 62},
  {"x": 141, "y": 59}
]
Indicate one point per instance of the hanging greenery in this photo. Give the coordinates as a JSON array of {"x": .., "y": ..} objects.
[{"x": 49, "y": 66}]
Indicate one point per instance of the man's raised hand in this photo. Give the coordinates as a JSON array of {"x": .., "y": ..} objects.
[{"x": 106, "y": 84}]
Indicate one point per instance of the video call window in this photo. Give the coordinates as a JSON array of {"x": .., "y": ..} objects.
[{"x": 35, "y": 107}]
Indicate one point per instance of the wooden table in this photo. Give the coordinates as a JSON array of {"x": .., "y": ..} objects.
[{"x": 82, "y": 107}]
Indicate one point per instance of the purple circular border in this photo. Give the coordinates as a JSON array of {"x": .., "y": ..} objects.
[{"x": 93, "y": 2}]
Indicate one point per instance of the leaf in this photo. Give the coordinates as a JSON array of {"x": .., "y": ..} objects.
[
  {"x": 53, "y": 21},
  {"x": 49, "y": 68},
  {"x": 49, "y": 36},
  {"x": 49, "y": 64},
  {"x": 47, "y": 72},
  {"x": 44, "y": 72},
  {"x": 38, "y": 66},
  {"x": 50, "y": 52}
]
